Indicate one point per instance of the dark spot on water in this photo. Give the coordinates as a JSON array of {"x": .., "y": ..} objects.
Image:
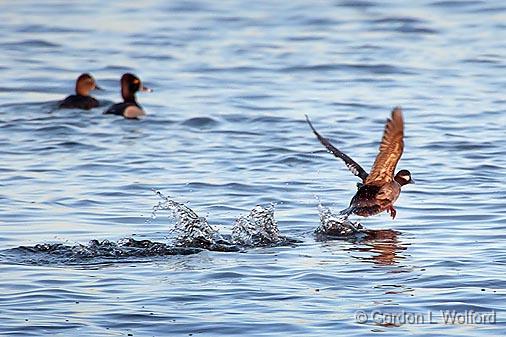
[
  {"x": 31, "y": 43},
  {"x": 360, "y": 4},
  {"x": 201, "y": 122},
  {"x": 377, "y": 69}
]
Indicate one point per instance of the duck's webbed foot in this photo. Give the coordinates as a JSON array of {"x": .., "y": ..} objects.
[{"x": 391, "y": 210}]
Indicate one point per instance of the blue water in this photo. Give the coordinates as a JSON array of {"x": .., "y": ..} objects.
[{"x": 224, "y": 132}]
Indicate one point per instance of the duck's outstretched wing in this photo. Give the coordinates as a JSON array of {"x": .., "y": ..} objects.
[
  {"x": 390, "y": 151},
  {"x": 355, "y": 168}
]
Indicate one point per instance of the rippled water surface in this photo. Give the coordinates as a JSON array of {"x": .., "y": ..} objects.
[{"x": 88, "y": 247}]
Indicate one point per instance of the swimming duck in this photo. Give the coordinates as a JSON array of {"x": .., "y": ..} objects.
[
  {"x": 82, "y": 99},
  {"x": 380, "y": 188},
  {"x": 129, "y": 108}
]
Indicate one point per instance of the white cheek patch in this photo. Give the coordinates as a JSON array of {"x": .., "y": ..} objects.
[
  {"x": 133, "y": 112},
  {"x": 407, "y": 178}
]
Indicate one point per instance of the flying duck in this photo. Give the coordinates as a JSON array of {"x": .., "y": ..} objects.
[{"x": 380, "y": 188}]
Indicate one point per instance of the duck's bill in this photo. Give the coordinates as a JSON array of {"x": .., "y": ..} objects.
[
  {"x": 145, "y": 89},
  {"x": 98, "y": 88},
  {"x": 412, "y": 181}
]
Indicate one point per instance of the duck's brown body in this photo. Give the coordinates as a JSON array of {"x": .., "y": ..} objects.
[
  {"x": 380, "y": 188},
  {"x": 372, "y": 199}
]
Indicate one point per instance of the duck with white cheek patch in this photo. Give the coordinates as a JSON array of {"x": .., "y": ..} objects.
[
  {"x": 380, "y": 188},
  {"x": 129, "y": 108}
]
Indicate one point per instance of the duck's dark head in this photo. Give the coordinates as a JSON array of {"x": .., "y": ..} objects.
[
  {"x": 130, "y": 84},
  {"x": 403, "y": 177},
  {"x": 84, "y": 84}
]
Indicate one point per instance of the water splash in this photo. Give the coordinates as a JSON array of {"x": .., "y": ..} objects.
[
  {"x": 336, "y": 225},
  {"x": 258, "y": 228},
  {"x": 194, "y": 234},
  {"x": 193, "y": 230}
]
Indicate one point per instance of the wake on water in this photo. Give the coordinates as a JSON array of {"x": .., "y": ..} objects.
[{"x": 193, "y": 234}]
